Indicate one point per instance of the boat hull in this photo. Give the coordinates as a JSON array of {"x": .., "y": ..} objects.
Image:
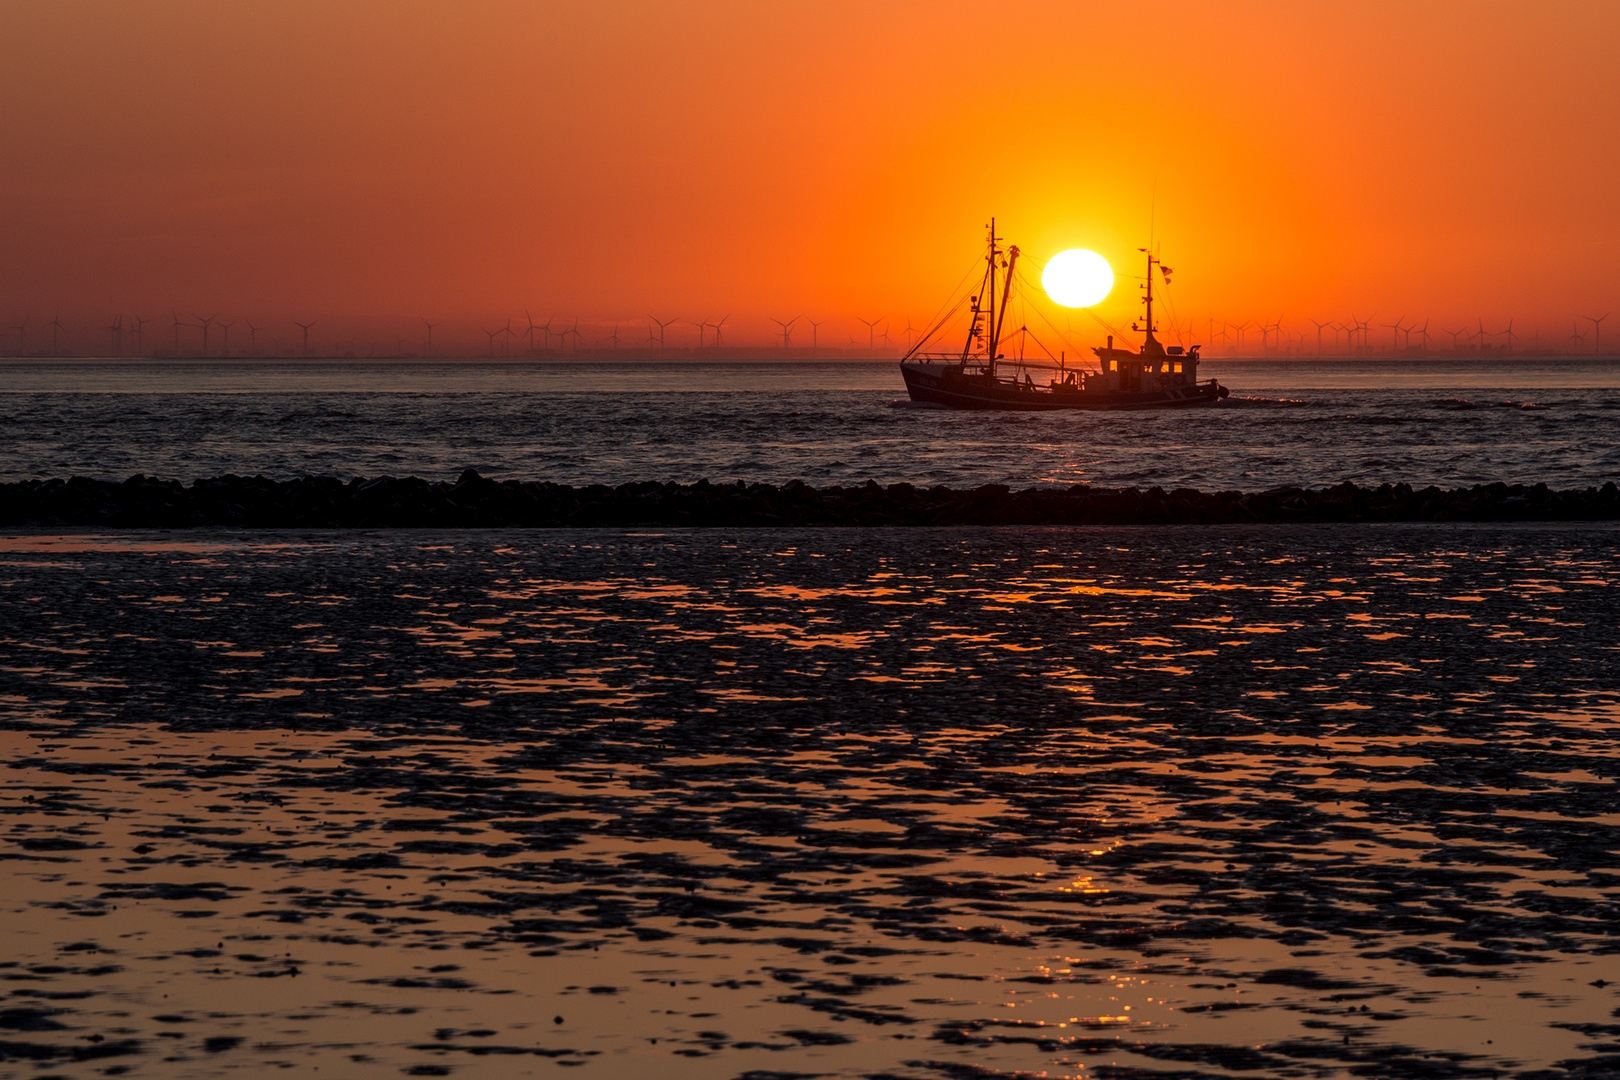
[{"x": 942, "y": 384}]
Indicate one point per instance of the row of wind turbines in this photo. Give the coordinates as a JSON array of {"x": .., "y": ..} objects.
[
  {"x": 710, "y": 334},
  {"x": 1355, "y": 336},
  {"x": 129, "y": 339},
  {"x": 210, "y": 336}
]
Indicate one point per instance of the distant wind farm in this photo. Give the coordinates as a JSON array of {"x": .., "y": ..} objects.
[{"x": 525, "y": 337}]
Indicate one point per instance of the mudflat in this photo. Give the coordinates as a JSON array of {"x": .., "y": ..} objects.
[{"x": 1288, "y": 800}]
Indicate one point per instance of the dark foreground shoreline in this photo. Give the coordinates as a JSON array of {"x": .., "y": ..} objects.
[{"x": 474, "y": 501}]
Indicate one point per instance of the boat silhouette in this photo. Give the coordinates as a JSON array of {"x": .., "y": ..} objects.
[{"x": 979, "y": 376}]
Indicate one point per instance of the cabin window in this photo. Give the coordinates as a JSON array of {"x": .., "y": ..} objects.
[
  {"x": 1175, "y": 368},
  {"x": 1113, "y": 365}
]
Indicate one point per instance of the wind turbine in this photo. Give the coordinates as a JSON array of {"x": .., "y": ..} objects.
[
  {"x": 533, "y": 326},
  {"x": 430, "y": 327},
  {"x": 1597, "y": 331},
  {"x": 545, "y": 334},
  {"x": 176, "y": 332},
  {"x": 718, "y": 340},
  {"x": 614, "y": 337},
  {"x": 205, "y": 324},
  {"x": 56, "y": 326},
  {"x": 884, "y": 337},
  {"x": 871, "y": 330},
  {"x": 815, "y": 341},
  {"x": 662, "y": 326},
  {"x": 253, "y": 338},
  {"x": 1575, "y": 334},
  {"x": 575, "y": 331},
  {"x": 1423, "y": 333},
  {"x": 1319, "y": 328},
  {"x": 1481, "y": 334},
  {"x": 491, "y": 334},
  {"x": 139, "y": 330},
  {"x": 1354, "y": 332},
  {"x": 787, "y": 330},
  {"x": 225, "y": 348},
  {"x": 1509, "y": 333},
  {"x": 115, "y": 336},
  {"x": 304, "y": 326},
  {"x": 1395, "y": 336},
  {"x": 1455, "y": 334}
]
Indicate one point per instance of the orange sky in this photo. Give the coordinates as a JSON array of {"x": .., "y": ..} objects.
[{"x": 381, "y": 157}]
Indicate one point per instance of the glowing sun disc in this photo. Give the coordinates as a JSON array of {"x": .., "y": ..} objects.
[{"x": 1077, "y": 278}]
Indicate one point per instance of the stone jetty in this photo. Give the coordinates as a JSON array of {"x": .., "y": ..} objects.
[{"x": 474, "y": 501}]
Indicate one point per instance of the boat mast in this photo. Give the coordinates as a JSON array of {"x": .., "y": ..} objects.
[
  {"x": 981, "y": 310},
  {"x": 1006, "y": 294},
  {"x": 990, "y": 277},
  {"x": 1149, "y": 301},
  {"x": 987, "y": 320}
]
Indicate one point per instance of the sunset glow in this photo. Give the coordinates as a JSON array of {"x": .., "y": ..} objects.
[{"x": 407, "y": 159}]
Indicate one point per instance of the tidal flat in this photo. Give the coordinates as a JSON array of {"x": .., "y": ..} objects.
[{"x": 1299, "y": 800}]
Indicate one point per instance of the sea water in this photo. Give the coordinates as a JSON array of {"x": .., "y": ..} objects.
[{"x": 1306, "y": 423}]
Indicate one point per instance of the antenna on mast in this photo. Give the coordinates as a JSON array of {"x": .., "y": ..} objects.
[{"x": 1153, "y": 212}]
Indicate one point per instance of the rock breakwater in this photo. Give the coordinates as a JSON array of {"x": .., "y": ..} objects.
[{"x": 474, "y": 501}]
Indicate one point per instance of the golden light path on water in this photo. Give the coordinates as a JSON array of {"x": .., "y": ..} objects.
[{"x": 1289, "y": 801}]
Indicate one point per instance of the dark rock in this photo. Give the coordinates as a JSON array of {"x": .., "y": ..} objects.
[{"x": 474, "y": 501}]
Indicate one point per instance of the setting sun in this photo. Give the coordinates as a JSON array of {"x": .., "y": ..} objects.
[{"x": 1077, "y": 278}]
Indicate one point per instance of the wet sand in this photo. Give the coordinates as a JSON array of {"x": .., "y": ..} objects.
[{"x": 1306, "y": 801}]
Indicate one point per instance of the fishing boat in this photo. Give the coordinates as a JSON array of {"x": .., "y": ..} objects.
[{"x": 980, "y": 376}]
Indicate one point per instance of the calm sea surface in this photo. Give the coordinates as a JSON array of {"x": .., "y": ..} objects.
[
  {"x": 1289, "y": 422},
  {"x": 932, "y": 804}
]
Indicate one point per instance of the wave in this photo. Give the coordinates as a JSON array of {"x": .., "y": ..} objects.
[
  {"x": 1251, "y": 401},
  {"x": 1466, "y": 405}
]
